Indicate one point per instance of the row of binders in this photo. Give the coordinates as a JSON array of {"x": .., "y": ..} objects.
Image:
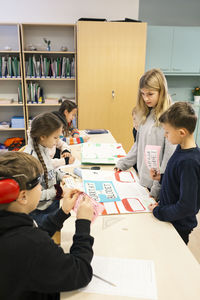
[
  {"x": 9, "y": 67},
  {"x": 34, "y": 93},
  {"x": 45, "y": 67}
]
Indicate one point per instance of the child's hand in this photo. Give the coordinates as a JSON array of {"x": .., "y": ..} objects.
[
  {"x": 66, "y": 154},
  {"x": 155, "y": 175},
  {"x": 85, "y": 209},
  {"x": 69, "y": 199},
  {"x": 152, "y": 206},
  {"x": 117, "y": 169},
  {"x": 71, "y": 159}
]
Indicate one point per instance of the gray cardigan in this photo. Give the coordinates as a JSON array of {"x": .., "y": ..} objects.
[{"x": 148, "y": 134}]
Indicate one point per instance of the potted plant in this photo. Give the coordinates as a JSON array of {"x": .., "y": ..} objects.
[
  {"x": 48, "y": 43},
  {"x": 196, "y": 94}
]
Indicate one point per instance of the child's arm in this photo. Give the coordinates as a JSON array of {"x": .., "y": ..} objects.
[
  {"x": 55, "y": 270},
  {"x": 129, "y": 160},
  {"x": 187, "y": 204}
]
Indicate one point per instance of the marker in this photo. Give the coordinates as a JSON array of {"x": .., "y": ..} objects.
[{"x": 108, "y": 282}]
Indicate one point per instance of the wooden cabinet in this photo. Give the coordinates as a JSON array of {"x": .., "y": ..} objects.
[
  {"x": 49, "y": 72},
  {"x": 11, "y": 83},
  {"x": 110, "y": 60}
]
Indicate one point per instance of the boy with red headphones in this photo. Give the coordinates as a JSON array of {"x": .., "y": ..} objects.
[{"x": 32, "y": 265}]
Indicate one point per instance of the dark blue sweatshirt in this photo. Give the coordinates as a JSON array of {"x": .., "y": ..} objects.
[{"x": 180, "y": 191}]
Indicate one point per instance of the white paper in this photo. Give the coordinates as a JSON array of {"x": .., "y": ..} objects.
[
  {"x": 132, "y": 277},
  {"x": 75, "y": 164}
]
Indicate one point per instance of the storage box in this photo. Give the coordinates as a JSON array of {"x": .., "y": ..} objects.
[{"x": 17, "y": 122}]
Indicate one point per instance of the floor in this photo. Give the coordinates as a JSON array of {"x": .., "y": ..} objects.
[{"x": 194, "y": 242}]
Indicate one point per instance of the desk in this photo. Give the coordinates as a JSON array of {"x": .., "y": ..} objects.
[{"x": 140, "y": 236}]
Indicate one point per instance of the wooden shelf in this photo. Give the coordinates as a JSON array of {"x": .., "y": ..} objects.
[
  {"x": 9, "y": 52},
  {"x": 48, "y": 52},
  {"x": 10, "y": 78},
  {"x": 52, "y": 78},
  {"x": 12, "y": 129},
  {"x": 44, "y": 104},
  {"x": 11, "y": 104}
]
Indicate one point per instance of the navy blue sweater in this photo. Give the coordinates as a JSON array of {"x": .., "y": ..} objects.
[{"x": 180, "y": 191}]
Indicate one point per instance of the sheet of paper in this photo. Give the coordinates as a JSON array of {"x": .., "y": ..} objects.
[
  {"x": 131, "y": 277},
  {"x": 152, "y": 153},
  {"x": 102, "y": 153}
]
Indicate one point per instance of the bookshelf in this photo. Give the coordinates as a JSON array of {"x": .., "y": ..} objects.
[
  {"x": 11, "y": 81},
  {"x": 48, "y": 74}
]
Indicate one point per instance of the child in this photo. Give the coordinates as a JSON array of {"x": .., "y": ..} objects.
[
  {"x": 67, "y": 113},
  {"x": 180, "y": 191},
  {"x": 44, "y": 134},
  {"x": 153, "y": 100},
  {"x": 33, "y": 267}
]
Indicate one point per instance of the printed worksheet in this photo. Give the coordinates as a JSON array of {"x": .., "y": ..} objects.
[
  {"x": 123, "y": 277},
  {"x": 119, "y": 192}
]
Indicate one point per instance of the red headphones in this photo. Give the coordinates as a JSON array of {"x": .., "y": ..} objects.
[{"x": 9, "y": 190}]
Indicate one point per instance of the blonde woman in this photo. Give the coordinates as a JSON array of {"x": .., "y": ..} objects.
[{"x": 153, "y": 100}]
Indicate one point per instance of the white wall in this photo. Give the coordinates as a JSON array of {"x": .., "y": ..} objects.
[{"x": 66, "y": 11}]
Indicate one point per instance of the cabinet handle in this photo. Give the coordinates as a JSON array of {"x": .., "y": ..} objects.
[
  {"x": 175, "y": 69},
  {"x": 113, "y": 94}
]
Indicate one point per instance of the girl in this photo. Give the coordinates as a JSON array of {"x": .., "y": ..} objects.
[
  {"x": 39, "y": 269},
  {"x": 67, "y": 113},
  {"x": 45, "y": 131},
  {"x": 153, "y": 100}
]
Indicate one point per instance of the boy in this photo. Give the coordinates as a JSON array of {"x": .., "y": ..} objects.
[
  {"x": 179, "y": 198},
  {"x": 33, "y": 267}
]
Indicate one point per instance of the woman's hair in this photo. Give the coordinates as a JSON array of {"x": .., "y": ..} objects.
[
  {"x": 153, "y": 80},
  {"x": 69, "y": 106},
  {"x": 19, "y": 163},
  {"x": 43, "y": 125}
]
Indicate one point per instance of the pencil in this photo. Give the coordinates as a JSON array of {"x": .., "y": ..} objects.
[{"x": 108, "y": 282}]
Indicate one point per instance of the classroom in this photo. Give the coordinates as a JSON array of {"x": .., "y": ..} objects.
[{"x": 99, "y": 149}]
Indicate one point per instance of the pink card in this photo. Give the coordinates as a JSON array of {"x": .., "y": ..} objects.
[
  {"x": 151, "y": 156},
  {"x": 97, "y": 207}
]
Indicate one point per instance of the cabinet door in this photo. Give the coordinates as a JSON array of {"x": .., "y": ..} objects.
[
  {"x": 186, "y": 53},
  {"x": 159, "y": 47},
  {"x": 111, "y": 58}
]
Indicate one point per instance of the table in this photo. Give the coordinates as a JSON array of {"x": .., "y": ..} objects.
[{"x": 140, "y": 236}]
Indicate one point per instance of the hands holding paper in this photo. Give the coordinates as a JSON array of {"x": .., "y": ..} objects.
[{"x": 84, "y": 206}]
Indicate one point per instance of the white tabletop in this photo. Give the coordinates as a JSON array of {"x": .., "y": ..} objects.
[{"x": 140, "y": 236}]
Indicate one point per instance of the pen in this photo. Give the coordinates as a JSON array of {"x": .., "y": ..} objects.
[{"x": 108, "y": 282}]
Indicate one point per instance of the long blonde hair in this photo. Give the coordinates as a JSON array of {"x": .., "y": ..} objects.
[{"x": 153, "y": 80}]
